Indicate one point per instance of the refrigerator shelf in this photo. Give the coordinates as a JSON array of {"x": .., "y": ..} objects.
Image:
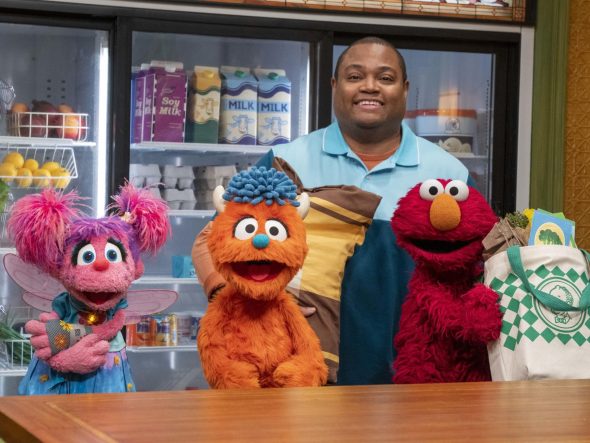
[
  {"x": 15, "y": 356},
  {"x": 38, "y": 141},
  {"x": 201, "y": 147},
  {"x": 195, "y": 213},
  {"x": 181, "y": 348},
  {"x": 151, "y": 280}
]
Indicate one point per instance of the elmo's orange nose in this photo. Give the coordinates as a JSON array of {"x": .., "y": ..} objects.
[{"x": 445, "y": 213}]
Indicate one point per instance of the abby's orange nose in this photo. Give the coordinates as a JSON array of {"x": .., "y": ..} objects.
[{"x": 445, "y": 213}]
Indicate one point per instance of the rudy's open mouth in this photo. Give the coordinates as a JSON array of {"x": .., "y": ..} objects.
[
  {"x": 258, "y": 271},
  {"x": 439, "y": 246},
  {"x": 99, "y": 298}
]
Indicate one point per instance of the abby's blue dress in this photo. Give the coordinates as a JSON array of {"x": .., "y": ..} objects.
[{"x": 113, "y": 376}]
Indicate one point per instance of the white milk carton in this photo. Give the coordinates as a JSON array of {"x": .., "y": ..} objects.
[
  {"x": 237, "y": 119},
  {"x": 274, "y": 107}
]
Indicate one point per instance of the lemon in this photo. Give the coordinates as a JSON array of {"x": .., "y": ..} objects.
[
  {"x": 27, "y": 180},
  {"x": 50, "y": 166},
  {"x": 62, "y": 182},
  {"x": 31, "y": 164},
  {"x": 7, "y": 170},
  {"x": 15, "y": 158},
  {"x": 41, "y": 182}
]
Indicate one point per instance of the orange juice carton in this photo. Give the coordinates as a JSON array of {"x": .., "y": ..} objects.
[
  {"x": 204, "y": 95},
  {"x": 237, "y": 119},
  {"x": 274, "y": 107},
  {"x": 166, "y": 83}
]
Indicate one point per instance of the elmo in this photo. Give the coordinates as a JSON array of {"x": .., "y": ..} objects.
[
  {"x": 447, "y": 319},
  {"x": 253, "y": 333}
]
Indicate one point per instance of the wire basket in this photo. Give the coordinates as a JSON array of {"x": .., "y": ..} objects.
[
  {"x": 15, "y": 354},
  {"x": 60, "y": 165},
  {"x": 48, "y": 125}
]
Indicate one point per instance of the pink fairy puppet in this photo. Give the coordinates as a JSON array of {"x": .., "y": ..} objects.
[{"x": 80, "y": 268}]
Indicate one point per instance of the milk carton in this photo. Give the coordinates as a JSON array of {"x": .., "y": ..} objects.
[
  {"x": 274, "y": 107},
  {"x": 140, "y": 107},
  {"x": 167, "y": 83},
  {"x": 204, "y": 96},
  {"x": 237, "y": 120}
]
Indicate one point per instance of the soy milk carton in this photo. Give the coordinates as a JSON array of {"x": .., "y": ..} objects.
[
  {"x": 167, "y": 81},
  {"x": 237, "y": 120},
  {"x": 204, "y": 96},
  {"x": 274, "y": 107}
]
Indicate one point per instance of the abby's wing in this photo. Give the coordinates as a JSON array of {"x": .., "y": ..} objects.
[
  {"x": 35, "y": 282},
  {"x": 148, "y": 301}
]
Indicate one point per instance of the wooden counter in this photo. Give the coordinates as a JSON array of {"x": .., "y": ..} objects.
[{"x": 536, "y": 411}]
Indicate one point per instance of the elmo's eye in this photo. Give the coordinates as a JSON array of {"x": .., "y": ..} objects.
[
  {"x": 458, "y": 190},
  {"x": 113, "y": 253},
  {"x": 430, "y": 189},
  {"x": 86, "y": 255},
  {"x": 246, "y": 228},
  {"x": 276, "y": 230}
]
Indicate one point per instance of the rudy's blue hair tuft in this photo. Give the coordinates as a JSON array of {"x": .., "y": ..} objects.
[{"x": 260, "y": 184}]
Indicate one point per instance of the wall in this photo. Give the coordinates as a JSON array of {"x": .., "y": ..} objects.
[{"x": 577, "y": 126}]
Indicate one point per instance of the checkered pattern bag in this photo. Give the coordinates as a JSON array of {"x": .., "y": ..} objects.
[{"x": 544, "y": 296}]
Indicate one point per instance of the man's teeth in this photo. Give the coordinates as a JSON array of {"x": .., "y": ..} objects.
[{"x": 370, "y": 102}]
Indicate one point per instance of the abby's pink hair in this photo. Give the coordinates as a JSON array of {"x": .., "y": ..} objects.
[{"x": 44, "y": 225}]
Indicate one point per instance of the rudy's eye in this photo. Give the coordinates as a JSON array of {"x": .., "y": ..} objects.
[
  {"x": 430, "y": 189},
  {"x": 457, "y": 189},
  {"x": 276, "y": 230},
  {"x": 86, "y": 255},
  {"x": 113, "y": 253},
  {"x": 246, "y": 228}
]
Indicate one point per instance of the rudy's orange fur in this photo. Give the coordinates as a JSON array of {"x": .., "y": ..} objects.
[{"x": 253, "y": 334}]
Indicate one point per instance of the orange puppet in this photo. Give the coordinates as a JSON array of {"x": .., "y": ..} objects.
[{"x": 253, "y": 334}]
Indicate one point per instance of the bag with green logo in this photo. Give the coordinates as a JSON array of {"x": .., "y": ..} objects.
[{"x": 544, "y": 296}]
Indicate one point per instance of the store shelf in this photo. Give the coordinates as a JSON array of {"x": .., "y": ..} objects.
[
  {"x": 37, "y": 141},
  {"x": 200, "y": 148},
  {"x": 150, "y": 349},
  {"x": 196, "y": 213},
  {"x": 155, "y": 280},
  {"x": 468, "y": 156}
]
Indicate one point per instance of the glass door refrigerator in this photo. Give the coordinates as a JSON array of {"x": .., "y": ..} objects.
[
  {"x": 200, "y": 113},
  {"x": 54, "y": 131},
  {"x": 463, "y": 97}
]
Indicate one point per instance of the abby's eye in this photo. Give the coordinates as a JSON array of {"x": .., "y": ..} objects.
[
  {"x": 246, "y": 228},
  {"x": 457, "y": 189},
  {"x": 113, "y": 253},
  {"x": 276, "y": 230},
  {"x": 430, "y": 189},
  {"x": 86, "y": 255}
]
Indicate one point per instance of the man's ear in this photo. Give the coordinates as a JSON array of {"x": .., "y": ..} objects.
[{"x": 334, "y": 82}]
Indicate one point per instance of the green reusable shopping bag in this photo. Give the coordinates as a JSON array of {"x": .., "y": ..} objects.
[{"x": 545, "y": 299}]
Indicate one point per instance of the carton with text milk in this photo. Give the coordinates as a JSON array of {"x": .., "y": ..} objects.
[
  {"x": 202, "y": 123},
  {"x": 237, "y": 120},
  {"x": 274, "y": 107},
  {"x": 167, "y": 81}
]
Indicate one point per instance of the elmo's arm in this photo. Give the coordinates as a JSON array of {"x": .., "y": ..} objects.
[{"x": 473, "y": 317}]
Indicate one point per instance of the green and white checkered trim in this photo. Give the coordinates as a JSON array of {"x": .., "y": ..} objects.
[{"x": 525, "y": 317}]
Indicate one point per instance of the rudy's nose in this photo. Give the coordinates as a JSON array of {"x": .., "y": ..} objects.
[
  {"x": 100, "y": 264},
  {"x": 260, "y": 241},
  {"x": 445, "y": 213}
]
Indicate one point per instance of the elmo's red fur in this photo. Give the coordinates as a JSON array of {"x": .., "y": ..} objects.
[
  {"x": 447, "y": 319},
  {"x": 253, "y": 333}
]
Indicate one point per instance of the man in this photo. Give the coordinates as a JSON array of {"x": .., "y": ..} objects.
[{"x": 369, "y": 147}]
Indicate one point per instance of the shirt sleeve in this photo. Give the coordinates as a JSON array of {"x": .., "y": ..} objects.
[{"x": 209, "y": 278}]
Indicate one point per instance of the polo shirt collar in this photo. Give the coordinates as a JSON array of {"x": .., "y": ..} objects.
[{"x": 406, "y": 155}]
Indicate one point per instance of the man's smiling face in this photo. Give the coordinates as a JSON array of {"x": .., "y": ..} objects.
[{"x": 369, "y": 90}]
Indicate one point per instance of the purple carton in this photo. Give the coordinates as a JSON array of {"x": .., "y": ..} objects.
[
  {"x": 138, "y": 97},
  {"x": 166, "y": 90}
]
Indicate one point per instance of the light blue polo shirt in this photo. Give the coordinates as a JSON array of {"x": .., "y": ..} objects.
[
  {"x": 376, "y": 277},
  {"x": 324, "y": 158}
]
